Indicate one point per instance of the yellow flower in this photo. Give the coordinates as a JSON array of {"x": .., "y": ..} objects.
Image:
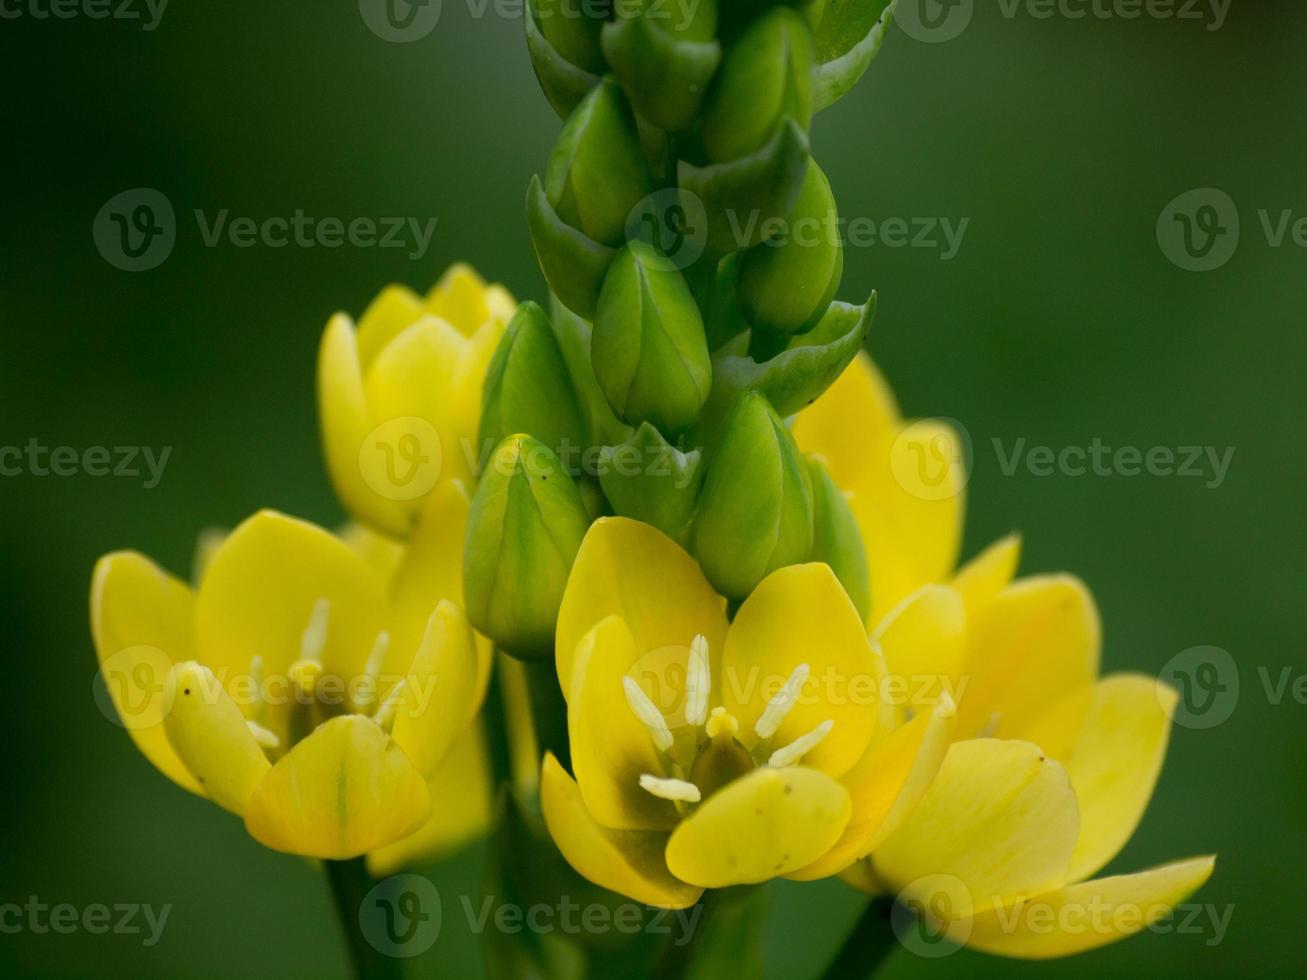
[
  {"x": 296, "y": 687},
  {"x": 400, "y": 395},
  {"x": 709, "y": 754},
  {"x": 1052, "y": 767}
]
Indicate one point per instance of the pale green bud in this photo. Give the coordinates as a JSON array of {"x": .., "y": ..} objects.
[
  {"x": 756, "y": 509},
  {"x": 525, "y": 527},
  {"x": 572, "y": 27},
  {"x": 836, "y": 539},
  {"x": 648, "y": 479},
  {"x": 648, "y": 348}
]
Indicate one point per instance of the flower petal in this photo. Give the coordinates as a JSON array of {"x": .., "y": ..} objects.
[
  {"x": 1036, "y": 642},
  {"x": 765, "y": 824},
  {"x": 1115, "y": 762},
  {"x": 924, "y": 642},
  {"x": 395, "y": 309},
  {"x": 141, "y": 622},
  {"x": 440, "y": 693},
  {"x": 801, "y": 614},
  {"x": 462, "y": 298},
  {"x": 628, "y": 862},
  {"x": 209, "y": 734},
  {"x": 611, "y": 747},
  {"x": 888, "y": 781},
  {"x": 345, "y": 790},
  {"x": 258, "y": 596},
  {"x": 637, "y": 572},
  {"x": 1000, "y": 818},
  {"x": 1085, "y": 916},
  {"x": 856, "y": 415},
  {"x": 989, "y": 573},
  {"x": 462, "y": 805},
  {"x": 346, "y": 423}
]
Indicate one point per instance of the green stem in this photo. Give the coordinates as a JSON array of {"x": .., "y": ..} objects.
[
  {"x": 675, "y": 961},
  {"x": 867, "y": 945},
  {"x": 548, "y": 710},
  {"x": 350, "y": 884}
]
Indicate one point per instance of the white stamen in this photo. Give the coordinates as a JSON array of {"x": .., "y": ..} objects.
[
  {"x": 648, "y": 713},
  {"x": 991, "y": 726},
  {"x": 367, "y": 689},
  {"x": 385, "y": 716},
  {"x": 265, "y": 738},
  {"x": 677, "y": 790},
  {"x": 780, "y": 705},
  {"x": 698, "y": 682},
  {"x": 315, "y": 633},
  {"x": 800, "y": 747}
]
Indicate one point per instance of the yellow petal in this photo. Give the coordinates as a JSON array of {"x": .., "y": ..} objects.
[
  {"x": 395, "y": 309},
  {"x": 439, "y": 694},
  {"x": 1085, "y": 916},
  {"x": 346, "y": 425},
  {"x": 345, "y": 790},
  {"x": 1000, "y": 819},
  {"x": 638, "y": 573},
  {"x": 855, "y": 416},
  {"x": 1035, "y": 643},
  {"x": 989, "y": 573},
  {"x": 209, "y": 734},
  {"x": 382, "y": 554},
  {"x": 611, "y": 747},
  {"x": 765, "y": 824},
  {"x": 1115, "y": 762},
  {"x": 259, "y": 594},
  {"x": 628, "y": 862},
  {"x": 924, "y": 642},
  {"x": 141, "y": 622},
  {"x": 888, "y": 781},
  {"x": 460, "y": 298},
  {"x": 462, "y": 803},
  {"x": 802, "y": 615}
]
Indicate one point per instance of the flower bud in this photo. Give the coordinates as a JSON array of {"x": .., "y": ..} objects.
[
  {"x": 528, "y": 389},
  {"x": 765, "y": 77},
  {"x": 564, "y": 49},
  {"x": 525, "y": 526},
  {"x": 846, "y": 39},
  {"x": 756, "y": 510},
  {"x": 648, "y": 479},
  {"x": 787, "y": 283},
  {"x": 648, "y": 348},
  {"x": 836, "y": 538},
  {"x": 597, "y": 173},
  {"x": 663, "y": 59}
]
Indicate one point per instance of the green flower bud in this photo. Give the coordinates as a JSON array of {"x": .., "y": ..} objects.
[
  {"x": 561, "y": 54},
  {"x": 836, "y": 539},
  {"x": 572, "y": 29},
  {"x": 846, "y": 39},
  {"x": 756, "y": 510},
  {"x": 648, "y": 479},
  {"x": 523, "y": 532},
  {"x": 765, "y": 77},
  {"x": 573, "y": 264},
  {"x": 528, "y": 389},
  {"x": 648, "y": 349},
  {"x": 663, "y": 60},
  {"x": 602, "y": 427},
  {"x": 597, "y": 173},
  {"x": 787, "y": 283}
]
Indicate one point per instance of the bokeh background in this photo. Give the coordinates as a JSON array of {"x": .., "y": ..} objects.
[{"x": 1059, "y": 321}]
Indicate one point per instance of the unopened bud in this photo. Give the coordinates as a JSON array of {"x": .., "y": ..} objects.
[{"x": 836, "y": 539}]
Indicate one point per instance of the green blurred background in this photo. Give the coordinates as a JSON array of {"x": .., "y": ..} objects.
[{"x": 1059, "y": 320}]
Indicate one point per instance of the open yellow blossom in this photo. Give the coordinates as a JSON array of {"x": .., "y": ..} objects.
[
  {"x": 707, "y": 754},
  {"x": 294, "y": 687},
  {"x": 399, "y": 395}
]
